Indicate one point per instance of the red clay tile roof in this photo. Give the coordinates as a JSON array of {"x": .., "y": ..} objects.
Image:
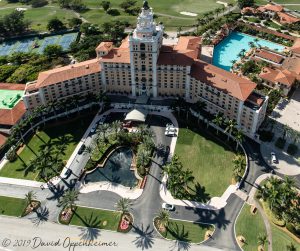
[
  {"x": 118, "y": 55},
  {"x": 287, "y": 19},
  {"x": 104, "y": 46},
  {"x": 12, "y": 116},
  {"x": 270, "y": 56},
  {"x": 65, "y": 73},
  {"x": 296, "y": 46},
  {"x": 277, "y": 75},
  {"x": 223, "y": 80},
  {"x": 3, "y": 139},
  {"x": 183, "y": 53},
  {"x": 248, "y": 10},
  {"x": 270, "y": 7},
  {"x": 255, "y": 99},
  {"x": 9, "y": 86}
]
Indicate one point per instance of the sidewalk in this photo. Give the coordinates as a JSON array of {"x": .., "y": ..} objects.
[
  {"x": 287, "y": 164},
  {"x": 215, "y": 203},
  {"x": 123, "y": 191}
]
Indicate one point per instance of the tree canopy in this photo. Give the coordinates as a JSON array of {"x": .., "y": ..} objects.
[
  {"x": 245, "y": 3},
  {"x": 13, "y": 24},
  {"x": 55, "y": 24}
]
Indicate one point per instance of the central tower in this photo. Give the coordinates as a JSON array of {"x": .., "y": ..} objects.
[{"x": 144, "y": 44}]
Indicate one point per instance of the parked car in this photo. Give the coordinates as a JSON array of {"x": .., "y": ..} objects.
[
  {"x": 170, "y": 132},
  {"x": 81, "y": 149},
  {"x": 169, "y": 125},
  {"x": 168, "y": 206},
  {"x": 273, "y": 157},
  {"x": 93, "y": 129},
  {"x": 67, "y": 174}
]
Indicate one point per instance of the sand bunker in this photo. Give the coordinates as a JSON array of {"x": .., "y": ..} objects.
[{"x": 188, "y": 14}]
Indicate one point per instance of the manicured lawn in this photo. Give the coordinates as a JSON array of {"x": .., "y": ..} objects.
[
  {"x": 12, "y": 206},
  {"x": 96, "y": 218},
  {"x": 273, "y": 25},
  {"x": 98, "y": 16},
  {"x": 282, "y": 239},
  {"x": 69, "y": 134},
  {"x": 186, "y": 231},
  {"x": 253, "y": 19},
  {"x": 209, "y": 159},
  {"x": 250, "y": 226}
]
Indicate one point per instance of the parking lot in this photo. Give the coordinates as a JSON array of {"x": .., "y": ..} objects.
[{"x": 288, "y": 112}]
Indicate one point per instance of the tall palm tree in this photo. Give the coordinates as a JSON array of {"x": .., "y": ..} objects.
[
  {"x": 291, "y": 247},
  {"x": 239, "y": 165},
  {"x": 179, "y": 29},
  {"x": 231, "y": 124},
  {"x": 123, "y": 205},
  {"x": 233, "y": 61},
  {"x": 262, "y": 240},
  {"x": 217, "y": 11},
  {"x": 163, "y": 217},
  {"x": 239, "y": 137},
  {"x": 218, "y": 120},
  {"x": 69, "y": 198},
  {"x": 29, "y": 197},
  {"x": 186, "y": 178}
]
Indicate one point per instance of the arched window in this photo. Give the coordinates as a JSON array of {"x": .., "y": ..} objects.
[{"x": 142, "y": 47}]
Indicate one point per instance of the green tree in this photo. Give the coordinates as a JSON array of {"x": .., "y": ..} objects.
[
  {"x": 163, "y": 217},
  {"x": 74, "y": 22},
  {"x": 262, "y": 240},
  {"x": 105, "y": 5},
  {"x": 69, "y": 198},
  {"x": 231, "y": 124},
  {"x": 38, "y": 3},
  {"x": 245, "y": 3},
  {"x": 53, "y": 50},
  {"x": 14, "y": 23},
  {"x": 218, "y": 120},
  {"x": 123, "y": 205},
  {"x": 291, "y": 247},
  {"x": 239, "y": 137},
  {"x": 6, "y": 71},
  {"x": 55, "y": 24},
  {"x": 30, "y": 196}
]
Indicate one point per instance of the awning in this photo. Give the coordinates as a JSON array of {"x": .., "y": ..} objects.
[{"x": 136, "y": 115}]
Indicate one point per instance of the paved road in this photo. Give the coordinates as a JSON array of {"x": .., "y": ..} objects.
[{"x": 12, "y": 229}]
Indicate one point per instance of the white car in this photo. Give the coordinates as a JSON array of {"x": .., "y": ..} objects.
[
  {"x": 273, "y": 157},
  {"x": 169, "y": 125},
  {"x": 167, "y": 206},
  {"x": 170, "y": 132},
  {"x": 93, "y": 129}
]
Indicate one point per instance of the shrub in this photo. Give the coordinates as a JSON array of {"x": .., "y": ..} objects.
[
  {"x": 11, "y": 155},
  {"x": 292, "y": 149},
  {"x": 292, "y": 229},
  {"x": 266, "y": 136},
  {"x": 280, "y": 142},
  {"x": 141, "y": 171},
  {"x": 90, "y": 165}
]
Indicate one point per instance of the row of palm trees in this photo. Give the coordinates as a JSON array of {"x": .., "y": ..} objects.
[
  {"x": 179, "y": 178},
  {"x": 283, "y": 199},
  {"x": 55, "y": 107},
  {"x": 239, "y": 163}
]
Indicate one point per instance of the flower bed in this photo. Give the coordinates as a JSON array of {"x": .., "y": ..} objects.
[
  {"x": 126, "y": 222},
  {"x": 34, "y": 205},
  {"x": 66, "y": 215}
]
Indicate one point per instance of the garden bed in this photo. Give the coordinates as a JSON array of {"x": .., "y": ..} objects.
[
  {"x": 33, "y": 206},
  {"x": 126, "y": 223}
]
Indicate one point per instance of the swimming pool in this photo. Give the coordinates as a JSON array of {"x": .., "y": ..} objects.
[{"x": 230, "y": 47}]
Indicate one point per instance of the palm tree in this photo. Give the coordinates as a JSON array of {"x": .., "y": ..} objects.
[
  {"x": 187, "y": 177},
  {"x": 243, "y": 51},
  {"x": 179, "y": 29},
  {"x": 29, "y": 197},
  {"x": 239, "y": 165},
  {"x": 163, "y": 217},
  {"x": 123, "y": 205},
  {"x": 230, "y": 127},
  {"x": 115, "y": 125},
  {"x": 218, "y": 120},
  {"x": 291, "y": 247},
  {"x": 233, "y": 61},
  {"x": 262, "y": 240},
  {"x": 239, "y": 137},
  {"x": 69, "y": 198},
  {"x": 218, "y": 11}
]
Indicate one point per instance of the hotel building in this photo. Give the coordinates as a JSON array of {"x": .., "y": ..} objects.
[{"x": 142, "y": 65}]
